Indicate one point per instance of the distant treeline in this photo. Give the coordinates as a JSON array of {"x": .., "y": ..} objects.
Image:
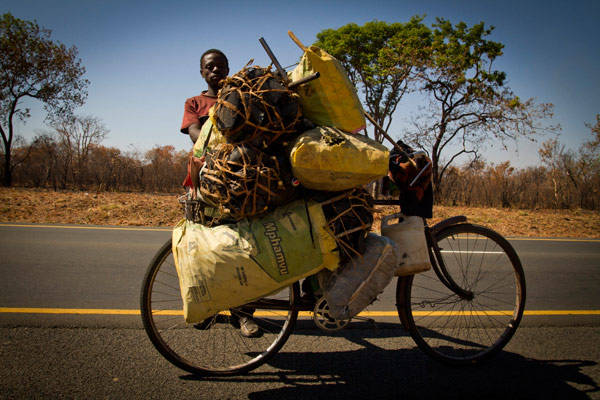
[
  {"x": 532, "y": 187},
  {"x": 565, "y": 182},
  {"x": 48, "y": 163}
]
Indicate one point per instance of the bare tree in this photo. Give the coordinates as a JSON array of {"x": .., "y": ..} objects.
[
  {"x": 165, "y": 167},
  {"x": 78, "y": 135},
  {"x": 575, "y": 175}
]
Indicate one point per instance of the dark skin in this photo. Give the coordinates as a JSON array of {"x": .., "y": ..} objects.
[{"x": 214, "y": 69}]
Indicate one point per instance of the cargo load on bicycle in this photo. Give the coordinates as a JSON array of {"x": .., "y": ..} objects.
[
  {"x": 269, "y": 144},
  {"x": 277, "y": 194}
]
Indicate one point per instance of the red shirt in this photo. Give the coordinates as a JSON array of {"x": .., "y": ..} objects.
[{"x": 195, "y": 108}]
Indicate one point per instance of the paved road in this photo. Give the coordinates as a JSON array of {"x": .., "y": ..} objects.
[
  {"x": 109, "y": 356},
  {"x": 102, "y": 268},
  {"x": 75, "y": 266},
  {"x": 539, "y": 363}
]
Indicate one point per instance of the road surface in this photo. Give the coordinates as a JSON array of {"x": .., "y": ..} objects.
[{"x": 69, "y": 327}]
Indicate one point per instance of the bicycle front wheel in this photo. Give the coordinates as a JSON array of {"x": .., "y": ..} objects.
[
  {"x": 215, "y": 345},
  {"x": 469, "y": 328}
]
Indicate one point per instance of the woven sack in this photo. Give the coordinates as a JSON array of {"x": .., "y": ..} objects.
[
  {"x": 356, "y": 284},
  {"x": 230, "y": 265},
  {"x": 327, "y": 158},
  {"x": 330, "y": 100}
]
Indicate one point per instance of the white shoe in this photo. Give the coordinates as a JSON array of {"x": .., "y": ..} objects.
[{"x": 248, "y": 327}]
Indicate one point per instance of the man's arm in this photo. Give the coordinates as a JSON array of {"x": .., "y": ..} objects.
[{"x": 194, "y": 131}]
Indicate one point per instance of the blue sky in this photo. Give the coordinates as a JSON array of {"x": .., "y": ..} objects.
[{"x": 142, "y": 58}]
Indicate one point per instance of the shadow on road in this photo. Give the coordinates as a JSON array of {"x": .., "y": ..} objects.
[{"x": 375, "y": 373}]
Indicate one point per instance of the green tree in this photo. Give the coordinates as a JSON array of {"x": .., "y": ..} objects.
[
  {"x": 33, "y": 66},
  {"x": 380, "y": 59},
  {"x": 469, "y": 102}
]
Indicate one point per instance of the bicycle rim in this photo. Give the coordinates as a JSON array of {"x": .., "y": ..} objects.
[
  {"x": 466, "y": 330},
  {"x": 214, "y": 346}
]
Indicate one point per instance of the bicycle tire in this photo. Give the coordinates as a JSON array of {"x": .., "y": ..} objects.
[
  {"x": 214, "y": 346},
  {"x": 457, "y": 330}
]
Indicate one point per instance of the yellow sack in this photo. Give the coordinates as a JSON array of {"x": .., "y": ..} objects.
[
  {"x": 330, "y": 100},
  {"x": 209, "y": 137},
  {"x": 230, "y": 265},
  {"x": 329, "y": 159}
]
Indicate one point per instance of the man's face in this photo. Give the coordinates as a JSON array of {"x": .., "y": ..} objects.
[{"x": 214, "y": 69}]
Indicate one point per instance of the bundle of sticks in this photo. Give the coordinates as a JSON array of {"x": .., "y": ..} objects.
[
  {"x": 349, "y": 216},
  {"x": 242, "y": 181},
  {"x": 256, "y": 105}
]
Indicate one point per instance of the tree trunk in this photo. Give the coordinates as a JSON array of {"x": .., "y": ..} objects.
[
  {"x": 435, "y": 178},
  {"x": 7, "y": 179}
]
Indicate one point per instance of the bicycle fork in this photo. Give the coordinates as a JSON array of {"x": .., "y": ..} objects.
[{"x": 437, "y": 261}]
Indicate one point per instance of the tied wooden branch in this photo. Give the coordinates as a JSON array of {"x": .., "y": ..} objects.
[{"x": 388, "y": 137}]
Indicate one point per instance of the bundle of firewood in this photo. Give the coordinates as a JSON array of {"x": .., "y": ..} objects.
[
  {"x": 256, "y": 105},
  {"x": 241, "y": 181}
]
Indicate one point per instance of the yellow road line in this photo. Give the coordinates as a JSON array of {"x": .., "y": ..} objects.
[
  {"x": 562, "y": 312},
  {"x": 492, "y": 313},
  {"x": 98, "y": 311}
]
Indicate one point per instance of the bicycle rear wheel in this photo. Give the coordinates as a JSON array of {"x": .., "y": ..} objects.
[
  {"x": 468, "y": 329},
  {"x": 214, "y": 346}
]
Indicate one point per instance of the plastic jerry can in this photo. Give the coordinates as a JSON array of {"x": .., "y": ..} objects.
[{"x": 409, "y": 234}]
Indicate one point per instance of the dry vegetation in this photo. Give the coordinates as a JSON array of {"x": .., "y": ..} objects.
[{"x": 142, "y": 209}]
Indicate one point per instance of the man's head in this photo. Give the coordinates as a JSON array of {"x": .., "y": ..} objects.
[{"x": 214, "y": 67}]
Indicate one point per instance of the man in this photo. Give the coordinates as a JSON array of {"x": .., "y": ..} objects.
[{"x": 214, "y": 67}]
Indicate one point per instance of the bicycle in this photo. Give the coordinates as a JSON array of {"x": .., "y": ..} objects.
[{"x": 465, "y": 309}]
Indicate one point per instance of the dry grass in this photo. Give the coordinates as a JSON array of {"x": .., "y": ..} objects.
[
  {"x": 531, "y": 223},
  {"x": 88, "y": 208},
  {"x": 142, "y": 209}
]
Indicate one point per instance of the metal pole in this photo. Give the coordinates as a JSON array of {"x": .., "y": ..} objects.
[{"x": 275, "y": 62}]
